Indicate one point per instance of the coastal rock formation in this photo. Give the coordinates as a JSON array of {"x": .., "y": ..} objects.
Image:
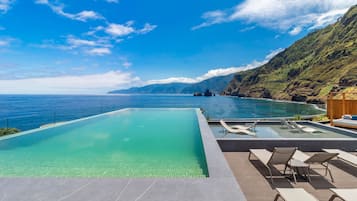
[{"x": 309, "y": 69}]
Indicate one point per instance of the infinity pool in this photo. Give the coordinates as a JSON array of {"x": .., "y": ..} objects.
[{"x": 126, "y": 143}]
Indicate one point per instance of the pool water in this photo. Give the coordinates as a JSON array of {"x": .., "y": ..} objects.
[
  {"x": 278, "y": 131},
  {"x": 127, "y": 143}
]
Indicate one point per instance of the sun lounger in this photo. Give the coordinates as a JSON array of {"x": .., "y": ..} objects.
[
  {"x": 344, "y": 194},
  {"x": 345, "y": 156},
  {"x": 303, "y": 128},
  {"x": 294, "y": 194},
  {"x": 295, "y": 127},
  {"x": 280, "y": 155},
  {"x": 317, "y": 158},
  {"x": 251, "y": 127},
  {"x": 346, "y": 123},
  {"x": 236, "y": 130},
  {"x": 286, "y": 124}
]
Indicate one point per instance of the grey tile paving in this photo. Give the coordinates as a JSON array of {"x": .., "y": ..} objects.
[{"x": 251, "y": 177}]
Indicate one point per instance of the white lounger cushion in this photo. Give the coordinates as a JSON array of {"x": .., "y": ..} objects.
[
  {"x": 235, "y": 130},
  {"x": 301, "y": 156},
  {"x": 310, "y": 130},
  {"x": 304, "y": 128},
  {"x": 346, "y": 194},
  {"x": 262, "y": 154},
  {"x": 343, "y": 155},
  {"x": 345, "y": 123},
  {"x": 295, "y": 194}
]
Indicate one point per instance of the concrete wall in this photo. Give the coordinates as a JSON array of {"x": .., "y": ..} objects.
[{"x": 236, "y": 145}]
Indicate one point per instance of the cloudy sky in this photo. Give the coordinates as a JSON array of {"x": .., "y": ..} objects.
[{"x": 93, "y": 46}]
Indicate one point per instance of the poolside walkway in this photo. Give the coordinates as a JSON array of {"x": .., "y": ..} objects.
[{"x": 250, "y": 176}]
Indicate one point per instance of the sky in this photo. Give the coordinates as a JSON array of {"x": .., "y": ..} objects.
[{"x": 94, "y": 46}]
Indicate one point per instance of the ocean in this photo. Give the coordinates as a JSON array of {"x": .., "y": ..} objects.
[{"x": 31, "y": 111}]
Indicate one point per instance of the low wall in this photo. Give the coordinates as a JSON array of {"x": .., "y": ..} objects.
[
  {"x": 243, "y": 145},
  {"x": 304, "y": 144}
]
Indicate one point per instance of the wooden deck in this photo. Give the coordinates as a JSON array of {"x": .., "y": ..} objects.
[{"x": 251, "y": 177}]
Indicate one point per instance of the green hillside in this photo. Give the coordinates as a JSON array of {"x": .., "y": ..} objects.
[{"x": 308, "y": 70}]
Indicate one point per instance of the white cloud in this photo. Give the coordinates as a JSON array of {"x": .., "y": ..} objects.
[
  {"x": 94, "y": 30},
  {"x": 223, "y": 71},
  {"x": 7, "y": 41},
  {"x": 41, "y": 1},
  {"x": 273, "y": 53},
  {"x": 328, "y": 17},
  {"x": 295, "y": 31},
  {"x": 99, "y": 51},
  {"x": 4, "y": 43},
  {"x": 75, "y": 42},
  {"x": 119, "y": 29},
  {"x": 147, "y": 28},
  {"x": 217, "y": 72},
  {"x": 290, "y": 15},
  {"x": 102, "y": 83},
  {"x": 127, "y": 64},
  {"x": 172, "y": 80},
  {"x": 97, "y": 47},
  {"x": 122, "y": 30},
  {"x": 81, "y": 16},
  {"x": 86, "y": 14},
  {"x": 5, "y": 5},
  {"x": 211, "y": 18},
  {"x": 99, "y": 44},
  {"x": 247, "y": 29},
  {"x": 84, "y": 84}
]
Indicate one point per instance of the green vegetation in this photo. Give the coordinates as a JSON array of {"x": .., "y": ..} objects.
[
  {"x": 297, "y": 117},
  {"x": 320, "y": 118},
  {"x": 308, "y": 70},
  {"x": 350, "y": 93},
  {"x": 8, "y": 131}
]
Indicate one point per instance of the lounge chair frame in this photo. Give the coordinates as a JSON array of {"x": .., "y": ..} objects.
[
  {"x": 342, "y": 155},
  {"x": 288, "y": 193},
  {"x": 273, "y": 160},
  {"x": 342, "y": 195},
  {"x": 322, "y": 159},
  {"x": 237, "y": 129}
]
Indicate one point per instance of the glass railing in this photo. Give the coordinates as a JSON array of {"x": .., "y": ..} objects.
[{"x": 36, "y": 120}]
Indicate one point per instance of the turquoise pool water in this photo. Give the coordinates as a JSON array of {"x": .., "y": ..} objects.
[{"x": 128, "y": 143}]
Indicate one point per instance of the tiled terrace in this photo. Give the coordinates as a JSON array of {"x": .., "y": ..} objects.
[{"x": 251, "y": 177}]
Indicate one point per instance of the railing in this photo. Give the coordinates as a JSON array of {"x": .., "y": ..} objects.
[
  {"x": 36, "y": 115},
  {"x": 341, "y": 104},
  {"x": 26, "y": 122}
]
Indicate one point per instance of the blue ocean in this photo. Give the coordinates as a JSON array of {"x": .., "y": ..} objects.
[{"x": 31, "y": 111}]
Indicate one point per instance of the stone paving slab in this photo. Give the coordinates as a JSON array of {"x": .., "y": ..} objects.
[
  {"x": 251, "y": 177},
  {"x": 59, "y": 189}
]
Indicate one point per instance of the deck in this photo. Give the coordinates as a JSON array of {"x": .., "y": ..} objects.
[{"x": 251, "y": 177}]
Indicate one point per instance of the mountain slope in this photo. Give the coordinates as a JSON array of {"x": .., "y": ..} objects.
[
  {"x": 215, "y": 84},
  {"x": 307, "y": 70}
]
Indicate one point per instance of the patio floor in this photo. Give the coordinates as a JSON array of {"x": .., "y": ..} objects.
[{"x": 251, "y": 177}]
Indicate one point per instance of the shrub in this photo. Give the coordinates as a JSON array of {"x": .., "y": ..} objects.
[{"x": 8, "y": 131}]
